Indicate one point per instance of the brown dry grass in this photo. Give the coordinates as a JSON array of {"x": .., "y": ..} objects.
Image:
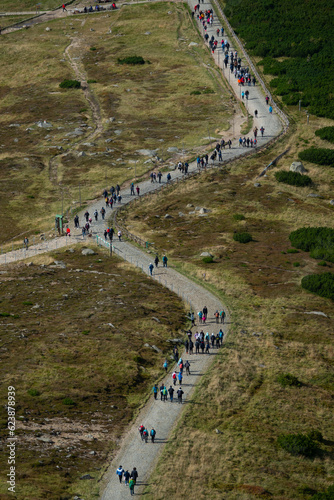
[{"x": 57, "y": 339}]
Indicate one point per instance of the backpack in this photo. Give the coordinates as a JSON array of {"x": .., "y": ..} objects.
[
  {"x": 174, "y": 375},
  {"x": 153, "y": 432}
]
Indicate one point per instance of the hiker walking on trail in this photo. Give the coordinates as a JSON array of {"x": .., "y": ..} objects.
[
  {"x": 119, "y": 473},
  {"x": 64, "y": 8},
  {"x": 161, "y": 391},
  {"x": 187, "y": 365},
  {"x": 96, "y": 215},
  {"x": 156, "y": 261},
  {"x": 134, "y": 474},
  {"x": 145, "y": 435},
  {"x": 174, "y": 378},
  {"x": 141, "y": 429},
  {"x": 171, "y": 393},
  {"x": 119, "y": 234},
  {"x": 267, "y": 100},
  {"x": 270, "y": 110},
  {"x": 179, "y": 395},
  {"x": 165, "y": 365},
  {"x": 76, "y": 221},
  {"x": 132, "y": 483},
  {"x": 138, "y": 190},
  {"x": 126, "y": 477},
  {"x": 26, "y": 243},
  {"x": 159, "y": 177},
  {"x": 102, "y": 212},
  {"x": 262, "y": 131},
  {"x": 155, "y": 391},
  {"x": 132, "y": 188},
  {"x": 180, "y": 377},
  {"x": 150, "y": 268},
  {"x": 152, "y": 434},
  {"x": 164, "y": 261}
]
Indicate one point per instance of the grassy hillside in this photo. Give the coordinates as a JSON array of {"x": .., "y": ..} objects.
[
  {"x": 146, "y": 106},
  {"x": 227, "y": 443},
  {"x": 72, "y": 345},
  {"x": 296, "y": 42}
]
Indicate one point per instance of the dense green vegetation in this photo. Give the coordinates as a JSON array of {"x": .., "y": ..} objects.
[
  {"x": 286, "y": 379},
  {"x": 131, "y": 60},
  {"x": 70, "y": 84},
  {"x": 319, "y": 241},
  {"x": 320, "y": 156},
  {"x": 321, "y": 284},
  {"x": 326, "y": 495},
  {"x": 242, "y": 237},
  {"x": 293, "y": 178},
  {"x": 304, "y": 35},
  {"x": 298, "y": 444},
  {"x": 326, "y": 133}
]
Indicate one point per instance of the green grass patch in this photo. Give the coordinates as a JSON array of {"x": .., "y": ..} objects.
[
  {"x": 293, "y": 178},
  {"x": 34, "y": 392},
  {"x": 207, "y": 260},
  {"x": 238, "y": 217},
  {"x": 326, "y": 495},
  {"x": 292, "y": 250}
]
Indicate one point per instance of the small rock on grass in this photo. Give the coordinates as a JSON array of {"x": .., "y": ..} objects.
[
  {"x": 86, "y": 476},
  {"x": 87, "y": 251}
]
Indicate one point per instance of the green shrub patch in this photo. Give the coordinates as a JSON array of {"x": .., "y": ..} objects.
[
  {"x": 208, "y": 260},
  {"x": 286, "y": 379},
  {"x": 319, "y": 241},
  {"x": 131, "y": 60},
  {"x": 293, "y": 178},
  {"x": 320, "y": 156},
  {"x": 242, "y": 237},
  {"x": 239, "y": 217},
  {"x": 321, "y": 284},
  {"x": 298, "y": 444},
  {"x": 326, "y": 495},
  {"x": 70, "y": 84},
  {"x": 326, "y": 133}
]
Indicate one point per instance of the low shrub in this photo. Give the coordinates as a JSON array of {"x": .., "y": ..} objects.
[
  {"x": 195, "y": 92},
  {"x": 319, "y": 241},
  {"x": 91, "y": 81},
  {"x": 293, "y": 178},
  {"x": 286, "y": 379},
  {"x": 322, "y": 263},
  {"x": 34, "y": 392},
  {"x": 292, "y": 250},
  {"x": 297, "y": 444},
  {"x": 315, "y": 435},
  {"x": 242, "y": 237},
  {"x": 92, "y": 48},
  {"x": 70, "y": 84},
  {"x": 326, "y": 495},
  {"x": 296, "y": 264},
  {"x": 27, "y": 303},
  {"x": 238, "y": 217},
  {"x": 131, "y": 60},
  {"x": 208, "y": 91},
  {"x": 320, "y": 156},
  {"x": 321, "y": 284},
  {"x": 208, "y": 260},
  {"x": 68, "y": 401},
  {"x": 326, "y": 133}
]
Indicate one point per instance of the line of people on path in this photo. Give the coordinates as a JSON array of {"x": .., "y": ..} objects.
[
  {"x": 130, "y": 479},
  {"x": 156, "y": 262}
]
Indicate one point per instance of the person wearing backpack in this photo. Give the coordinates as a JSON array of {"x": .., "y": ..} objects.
[
  {"x": 174, "y": 378},
  {"x": 132, "y": 483},
  {"x": 126, "y": 477},
  {"x": 165, "y": 393},
  {"x": 165, "y": 365},
  {"x": 152, "y": 434},
  {"x": 171, "y": 392},
  {"x": 164, "y": 261},
  {"x": 155, "y": 391},
  {"x": 145, "y": 435}
]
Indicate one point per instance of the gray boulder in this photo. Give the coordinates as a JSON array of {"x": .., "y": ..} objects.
[
  {"x": 206, "y": 254},
  {"x": 87, "y": 251},
  {"x": 331, "y": 202},
  {"x": 297, "y": 166}
]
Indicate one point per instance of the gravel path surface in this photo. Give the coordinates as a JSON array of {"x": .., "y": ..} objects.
[{"x": 161, "y": 415}]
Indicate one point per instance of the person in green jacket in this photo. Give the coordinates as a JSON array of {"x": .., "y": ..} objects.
[{"x": 132, "y": 486}]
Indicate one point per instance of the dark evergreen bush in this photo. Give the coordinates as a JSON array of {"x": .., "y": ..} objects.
[
  {"x": 242, "y": 237},
  {"x": 238, "y": 217},
  {"x": 195, "y": 92},
  {"x": 131, "y": 60},
  {"x": 70, "y": 84},
  {"x": 293, "y": 178},
  {"x": 321, "y": 284},
  {"x": 320, "y": 156},
  {"x": 297, "y": 444},
  {"x": 208, "y": 260},
  {"x": 315, "y": 435},
  {"x": 319, "y": 241},
  {"x": 326, "y": 133},
  {"x": 286, "y": 379},
  {"x": 326, "y": 495}
]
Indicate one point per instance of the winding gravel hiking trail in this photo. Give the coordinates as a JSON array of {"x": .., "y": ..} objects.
[{"x": 161, "y": 415}]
